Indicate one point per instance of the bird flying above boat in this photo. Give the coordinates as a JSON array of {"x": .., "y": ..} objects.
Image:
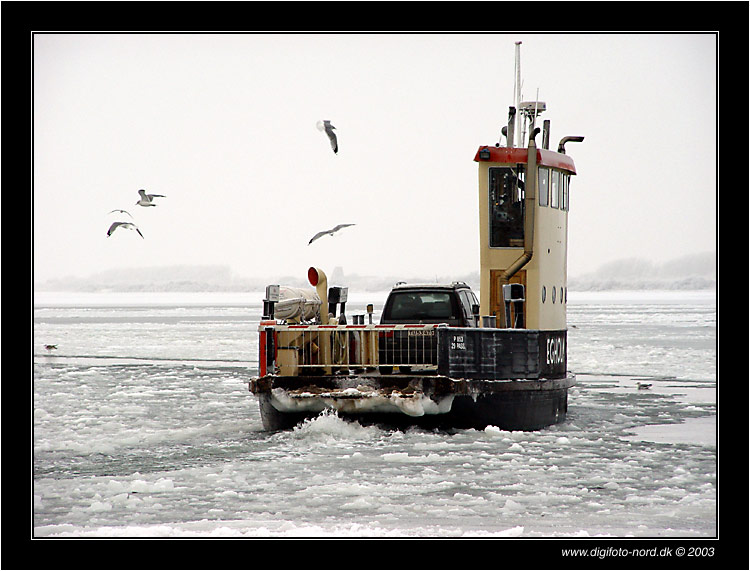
[
  {"x": 330, "y": 232},
  {"x": 120, "y": 210},
  {"x": 326, "y": 126},
  {"x": 126, "y": 225},
  {"x": 147, "y": 199}
]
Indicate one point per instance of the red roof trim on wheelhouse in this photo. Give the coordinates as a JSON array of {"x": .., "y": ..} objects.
[{"x": 518, "y": 155}]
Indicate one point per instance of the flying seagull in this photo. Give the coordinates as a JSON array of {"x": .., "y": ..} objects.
[
  {"x": 50, "y": 347},
  {"x": 120, "y": 210},
  {"x": 329, "y": 232},
  {"x": 147, "y": 199},
  {"x": 126, "y": 225},
  {"x": 326, "y": 126}
]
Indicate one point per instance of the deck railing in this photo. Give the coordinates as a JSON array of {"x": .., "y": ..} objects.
[
  {"x": 455, "y": 352},
  {"x": 291, "y": 350}
]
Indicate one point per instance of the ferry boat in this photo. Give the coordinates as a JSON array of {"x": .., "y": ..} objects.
[{"x": 438, "y": 358}]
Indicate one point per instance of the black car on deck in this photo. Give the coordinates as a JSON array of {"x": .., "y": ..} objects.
[{"x": 452, "y": 304}]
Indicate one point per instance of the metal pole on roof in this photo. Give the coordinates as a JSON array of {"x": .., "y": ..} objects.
[{"x": 518, "y": 95}]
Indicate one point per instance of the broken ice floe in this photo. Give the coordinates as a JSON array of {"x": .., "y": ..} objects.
[{"x": 361, "y": 399}]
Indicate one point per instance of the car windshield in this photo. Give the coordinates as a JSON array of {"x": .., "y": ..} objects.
[{"x": 422, "y": 305}]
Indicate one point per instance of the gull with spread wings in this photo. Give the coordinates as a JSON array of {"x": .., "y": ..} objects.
[
  {"x": 330, "y": 232},
  {"x": 120, "y": 210},
  {"x": 147, "y": 199},
  {"x": 126, "y": 225}
]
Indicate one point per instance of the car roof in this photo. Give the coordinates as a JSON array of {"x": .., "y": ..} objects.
[{"x": 453, "y": 285}]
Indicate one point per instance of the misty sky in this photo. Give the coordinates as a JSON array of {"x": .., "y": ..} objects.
[{"x": 224, "y": 126}]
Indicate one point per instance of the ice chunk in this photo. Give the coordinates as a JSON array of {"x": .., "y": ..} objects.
[
  {"x": 355, "y": 401},
  {"x": 97, "y": 506}
]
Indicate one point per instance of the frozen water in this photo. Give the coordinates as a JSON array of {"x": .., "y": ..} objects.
[{"x": 144, "y": 427}]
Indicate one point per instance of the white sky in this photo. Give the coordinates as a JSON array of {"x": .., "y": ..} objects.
[{"x": 224, "y": 126}]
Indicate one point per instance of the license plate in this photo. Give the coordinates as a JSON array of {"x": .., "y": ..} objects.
[{"x": 421, "y": 332}]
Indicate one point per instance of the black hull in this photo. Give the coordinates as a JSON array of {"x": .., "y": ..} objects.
[{"x": 508, "y": 405}]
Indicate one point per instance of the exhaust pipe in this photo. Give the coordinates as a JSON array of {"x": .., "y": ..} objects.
[
  {"x": 318, "y": 279},
  {"x": 572, "y": 139},
  {"x": 511, "y": 130},
  {"x": 528, "y": 218}
]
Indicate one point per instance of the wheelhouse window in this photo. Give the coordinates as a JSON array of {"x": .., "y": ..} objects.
[
  {"x": 565, "y": 195},
  {"x": 543, "y": 186},
  {"x": 506, "y": 208},
  {"x": 555, "y": 189}
]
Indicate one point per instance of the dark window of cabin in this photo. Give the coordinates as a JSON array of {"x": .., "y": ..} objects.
[
  {"x": 554, "y": 188},
  {"x": 466, "y": 303},
  {"x": 506, "y": 194},
  {"x": 565, "y": 193},
  {"x": 416, "y": 305},
  {"x": 543, "y": 186}
]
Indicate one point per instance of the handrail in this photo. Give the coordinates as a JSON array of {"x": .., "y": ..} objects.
[
  {"x": 296, "y": 347},
  {"x": 318, "y": 327}
]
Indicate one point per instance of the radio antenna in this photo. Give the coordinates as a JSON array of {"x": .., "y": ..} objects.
[{"x": 517, "y": 94}]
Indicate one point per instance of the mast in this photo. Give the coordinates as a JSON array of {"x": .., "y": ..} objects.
[{"x": 520, "y": 142}]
